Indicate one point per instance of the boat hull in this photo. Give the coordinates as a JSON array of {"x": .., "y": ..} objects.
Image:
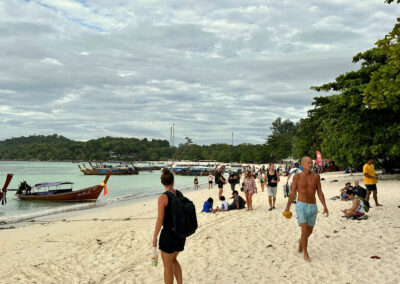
[
  {"x": 89, "y": 194},
  {"x": 103, "y": 173}
]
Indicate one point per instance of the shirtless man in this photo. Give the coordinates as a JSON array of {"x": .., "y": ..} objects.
[{"x": 306, "y": 184}]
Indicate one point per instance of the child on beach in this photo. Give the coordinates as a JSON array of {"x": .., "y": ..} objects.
[
  {"x": 208, "y": 206},
  {"x": 307, "y": 184},
  {"x": 170, "y": 244},
  {"x": 224, "y": 204},
  {"x": 196, "y": 182},
  {"x": 210, "y": 181}
]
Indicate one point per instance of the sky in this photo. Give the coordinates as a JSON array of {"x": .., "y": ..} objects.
[{"x": 94, "y": 68}]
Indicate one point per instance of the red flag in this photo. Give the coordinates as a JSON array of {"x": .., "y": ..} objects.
[{"x": 105, "y": 192}]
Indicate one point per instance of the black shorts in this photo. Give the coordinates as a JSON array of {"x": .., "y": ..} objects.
[
  {"x": 170, "y": 242},
  {"x": 220, "y": 185},
  {"x": 210, "y": 181},
  {"x": 370, "y": 187}
]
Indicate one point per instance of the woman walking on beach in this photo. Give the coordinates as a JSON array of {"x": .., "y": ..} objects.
[
  {"x": 262, "y": 179},
  {"x": 273, "y": 179},
  {"x": 249, "y": 188},
  {"x": 170, "y": 244}
]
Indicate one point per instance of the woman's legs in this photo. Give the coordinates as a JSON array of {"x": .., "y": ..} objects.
[
  {"x": 247, "y": 200},
  {"x": 251, "y": 201},
  {"x": 262, "y": 186},
  {"x": 171, "y": 267}
]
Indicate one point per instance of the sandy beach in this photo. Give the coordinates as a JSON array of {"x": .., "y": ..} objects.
[{"x": 113, "y": 244}]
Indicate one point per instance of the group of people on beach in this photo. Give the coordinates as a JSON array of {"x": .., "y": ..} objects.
[{"x": 303, "y": 186}]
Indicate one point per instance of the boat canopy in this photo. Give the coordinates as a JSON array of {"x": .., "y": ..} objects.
[{"x": 50, "y": 184}]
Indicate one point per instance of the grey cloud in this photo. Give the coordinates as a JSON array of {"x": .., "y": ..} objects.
[{"x": 209, "y": 67}]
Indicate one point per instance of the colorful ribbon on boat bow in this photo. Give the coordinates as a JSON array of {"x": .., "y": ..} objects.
[{"x": 105, "y": 188}]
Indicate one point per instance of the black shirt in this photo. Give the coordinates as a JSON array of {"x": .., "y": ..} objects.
[{"x": 271, "y": 177}]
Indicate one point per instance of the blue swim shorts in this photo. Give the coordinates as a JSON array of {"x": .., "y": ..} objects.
[{"x": 306, "y": 213}]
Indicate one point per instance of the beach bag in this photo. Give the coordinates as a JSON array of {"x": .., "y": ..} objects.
[
  {"x": 366, "y": 203},
  {"x": 183, "y": 215}
]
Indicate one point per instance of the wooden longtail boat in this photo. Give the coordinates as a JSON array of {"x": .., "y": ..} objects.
[
  {"x": 3, "y": 192},
  {"x": 104, "y": 171},
  {"x": 89, "y": 194}
]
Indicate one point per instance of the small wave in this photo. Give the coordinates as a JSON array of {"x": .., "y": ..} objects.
[{"x": 21, "y": 217}]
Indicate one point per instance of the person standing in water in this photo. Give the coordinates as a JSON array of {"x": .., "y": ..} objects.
[
  {"x": 196, "y": 182},
  {"x": 306, "y": 184},
  {"x": 273, "y": 179},
  {"x": 170, "y": 244}
]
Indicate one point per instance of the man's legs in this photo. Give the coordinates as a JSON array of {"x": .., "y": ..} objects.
[
  {"x": 232, "y": 186},
  {"x": 368, "y": 194},
  {"x": 220, "y": 191},
  {"x": 306, "y": 231},
  {"x": 375, "y": 196}
]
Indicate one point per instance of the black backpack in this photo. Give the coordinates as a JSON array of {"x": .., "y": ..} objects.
[{"x": 184, "y": 217}]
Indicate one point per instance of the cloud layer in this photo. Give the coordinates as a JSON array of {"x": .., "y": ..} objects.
[{"x": 86, "y": 69}]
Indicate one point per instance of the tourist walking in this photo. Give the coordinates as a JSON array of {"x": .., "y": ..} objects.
[
  {"x": 233, "y": 179},
  {"x": 273, "y": 179},
  {"x": 292, "y": 172},
  {"x": 370, "y": 181},
  {"x": 170, "y": 244},
  {"x": 210, "y": 181},
  {"x": 220, "y": 180},
  {"x": 196, "y": 182},
  {"x": 249, "y": 188},
  {"x": 262, "y": 179},
  {"x": 307, "y": 184}
]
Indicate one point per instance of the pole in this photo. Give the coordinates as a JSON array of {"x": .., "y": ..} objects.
[
  {"x": 173, "y": 134},
  {"x": 232, "y": 138}
]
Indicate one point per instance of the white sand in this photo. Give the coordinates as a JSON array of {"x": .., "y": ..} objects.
[{"x": 230, "y": 247}]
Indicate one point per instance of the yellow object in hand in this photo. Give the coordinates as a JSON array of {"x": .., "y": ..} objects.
[{"x": 287, "y": 214}]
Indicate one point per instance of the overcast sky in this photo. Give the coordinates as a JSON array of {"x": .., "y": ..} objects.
[{"x": 88, "y": 69}]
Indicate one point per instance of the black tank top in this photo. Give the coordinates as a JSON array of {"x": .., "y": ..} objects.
[
  {"x": 168, "y": 223},
  {"x": 270, "y": 178}
]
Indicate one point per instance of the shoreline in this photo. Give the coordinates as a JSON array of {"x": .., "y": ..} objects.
[{"x": 113, "y": 244}]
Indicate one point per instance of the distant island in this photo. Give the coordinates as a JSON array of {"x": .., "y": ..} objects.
[{"x": 56, "y": 147}]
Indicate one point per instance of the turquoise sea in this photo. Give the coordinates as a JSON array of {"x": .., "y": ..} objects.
[{"x": 146, "y": 185}]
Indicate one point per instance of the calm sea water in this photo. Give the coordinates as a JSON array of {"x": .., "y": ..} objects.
[{"x": 120, "y": 188}]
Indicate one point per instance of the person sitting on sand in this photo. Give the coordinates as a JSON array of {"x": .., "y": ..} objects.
[
  {"x": 208, "y": 206},
  {"x": 224, "y": 204},
  {"x": 307, "y": 184},
  {"x": 358, "y": 208},
  {"x": 343, "y": 191},
  {"x": 238, "y": 201},
  {"x": 359, "y": 190}
]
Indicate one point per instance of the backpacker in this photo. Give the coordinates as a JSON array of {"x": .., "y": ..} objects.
[
  {"x": 183, "y": 215},
  {"x": 366, "y": 203}
]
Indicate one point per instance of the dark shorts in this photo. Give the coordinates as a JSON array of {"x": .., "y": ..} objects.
[
  {"x": 370, "y": 187},
  {"x": 210, "y": 182},
  {"x": 220, "y": 185},
  {"x": 169, "y": 242}
]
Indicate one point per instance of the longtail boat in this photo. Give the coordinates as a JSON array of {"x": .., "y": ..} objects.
[
  {"x": 3, "y": 192},
  {"x": 54, "y": 193},
  {"x": 104, "y": 170}
]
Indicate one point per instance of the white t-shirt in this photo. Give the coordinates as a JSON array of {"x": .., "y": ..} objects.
[
  {"x": 224, "y": 205},
  {"x": 292, "y": 173},
  {"x": 210, "y": 178}
]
